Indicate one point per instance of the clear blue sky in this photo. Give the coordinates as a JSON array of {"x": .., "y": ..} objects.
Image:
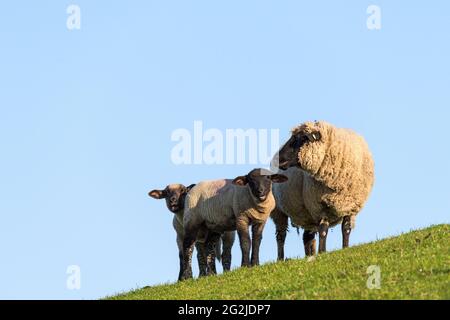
[{"x": 87, "y": 115}]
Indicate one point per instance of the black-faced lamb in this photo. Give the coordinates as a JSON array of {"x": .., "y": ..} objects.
[
  {"x": 227, "y": 205},
  {"x": 175, "y": 195},
  {"x": 331, "y": 174}
]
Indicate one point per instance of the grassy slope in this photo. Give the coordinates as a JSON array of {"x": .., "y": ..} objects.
[{"x": 413, "y": 266}]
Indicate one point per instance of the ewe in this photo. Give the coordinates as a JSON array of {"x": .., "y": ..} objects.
[{"x": 331, "y": 174}]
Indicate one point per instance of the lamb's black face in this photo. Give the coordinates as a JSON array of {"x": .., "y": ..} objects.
[
  {"x": 174, "y": 195},
  {"x": 260, "y": 182},
  {"x": 288, "y": 155},
  {"x": 175, "y": 198},
  {"x": 260, "y": 185}
]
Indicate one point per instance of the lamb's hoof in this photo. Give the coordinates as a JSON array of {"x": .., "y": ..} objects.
[{"x": 186, "y": 276}]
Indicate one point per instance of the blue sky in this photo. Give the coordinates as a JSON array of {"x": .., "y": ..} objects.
[{"x": 86, "y": 118}]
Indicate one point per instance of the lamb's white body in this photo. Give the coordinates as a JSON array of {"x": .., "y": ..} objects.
[
  {"x": 225, "y": 205},
  {"x": 220, "y": 205}
]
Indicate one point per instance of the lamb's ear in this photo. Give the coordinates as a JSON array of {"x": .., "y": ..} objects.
[
  {"x": 190, "y": 187},
  {"x": 240, "y": 181},
  {"x": 278, "y": 178},
  {"x": 158, "y": 194}
]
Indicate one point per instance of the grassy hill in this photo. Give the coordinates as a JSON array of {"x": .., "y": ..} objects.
[{"x": 415, "y": 265}]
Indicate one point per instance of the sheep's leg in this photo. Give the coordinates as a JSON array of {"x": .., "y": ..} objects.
[
  {"x": 257, "y": 233},
  {"x": 309, "y": 242},
  {"x": 180, "y": 255},
  {"x": 201, "y": 258},
  {"x": 211, "y": 243},
  {"x": 323, "y": 233},
  {"x": 188, "y": 247},
  {"x": 244, "y": 239},
  {"x": 346, "y": 230},
  {"x": 281, "y": 226},
  {"x": 227, "y": 245},
  {"x": 180, "y": 274},
  {"x": 202, "y": 251}
]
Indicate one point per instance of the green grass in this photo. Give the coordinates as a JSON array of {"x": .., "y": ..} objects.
[{"x": 415, "y": 265}]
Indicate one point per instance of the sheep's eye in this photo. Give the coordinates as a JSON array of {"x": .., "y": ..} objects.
[{"x": 315, "y": 136}]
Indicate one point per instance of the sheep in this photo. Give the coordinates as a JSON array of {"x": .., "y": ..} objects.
[
  {"x": 226, "y": 205},
  {"x": 175, "y": 195},
  {"x": 330, "y": 177}
]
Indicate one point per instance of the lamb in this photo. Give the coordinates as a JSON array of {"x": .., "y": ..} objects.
[
  {"x": 330, "y": 176},
  {"x": 227, "y": 205},
  {"x": 175, "y": 195}
]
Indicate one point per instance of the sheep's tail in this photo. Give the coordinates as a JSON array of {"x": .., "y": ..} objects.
[
  {"x": 219, "y": 250},
  {"x": 296, "y": 227}
]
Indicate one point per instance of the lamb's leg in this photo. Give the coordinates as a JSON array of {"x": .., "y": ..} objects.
[
  {"x": 244, "y": 238},
  {"x": 188, "y": 247},
  {"x": 309, "y": 242},
  {"x": 323, "y": 233},
  {"x": 227, "y": 245},
  {"x": 257, "y": 232},
  {"x": 346, "y": 230},
  {"x": 201, "y": 258},
  {"x": 281, "y": 226},
  {"x": 211, "y": 243},
  {"x": 202, "y": 251},
  {"x": 180, "y": 255}
]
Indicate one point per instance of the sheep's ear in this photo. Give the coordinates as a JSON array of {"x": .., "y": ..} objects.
[
  {"x": 158, "y": 194},
  {"x": 190, "y": 187},
  {"x": 240, "y": 181},
  {"x": 278, "y": 178}
]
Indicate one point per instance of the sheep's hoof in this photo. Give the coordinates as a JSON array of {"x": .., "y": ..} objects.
[{"x": 186, "y": 276}]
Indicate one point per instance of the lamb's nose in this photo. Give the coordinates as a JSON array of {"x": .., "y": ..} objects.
[{"x": 173, "y": 199}]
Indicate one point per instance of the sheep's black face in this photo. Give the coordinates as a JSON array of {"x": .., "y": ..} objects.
[
  {"x": 174, "y": 195},
  {"x": 288, "y": 155},
  {"x": 260, "y": 182},
  {"x": 260, "y": 185},
  {"x": 175, "y": 199}
]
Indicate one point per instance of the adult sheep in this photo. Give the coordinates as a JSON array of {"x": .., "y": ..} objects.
[
  {"x": 175, "y": 195},
  {"x": 331, "y": 174},
  {"x": 227, "y": 205}
]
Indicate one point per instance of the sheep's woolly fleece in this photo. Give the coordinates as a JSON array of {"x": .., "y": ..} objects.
[{"x": 337, "y": 174}]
